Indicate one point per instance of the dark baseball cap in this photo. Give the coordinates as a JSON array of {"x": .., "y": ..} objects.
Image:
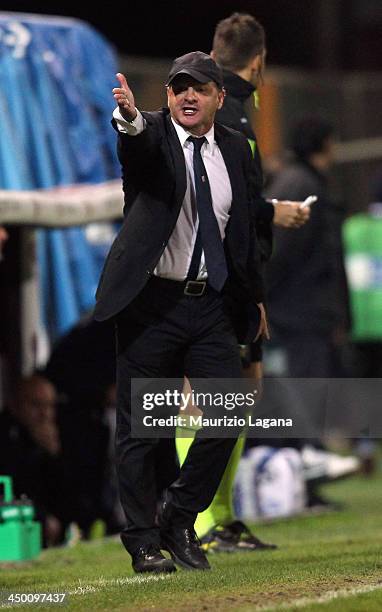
[{"x": 199, "y": 65}]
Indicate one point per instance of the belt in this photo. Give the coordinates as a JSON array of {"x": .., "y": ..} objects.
[{"x": 191, "y": 288}]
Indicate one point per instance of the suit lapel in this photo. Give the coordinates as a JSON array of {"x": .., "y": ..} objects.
[
  {"x": 236, "y": 234},
  {"x": 178, "y": 161},
  {"x": 225, "y": 146}
]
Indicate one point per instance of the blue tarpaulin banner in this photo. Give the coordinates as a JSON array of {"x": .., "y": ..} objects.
[{"x": 56, "y": 77}]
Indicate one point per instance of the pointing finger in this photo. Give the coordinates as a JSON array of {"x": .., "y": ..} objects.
[{"x": 122, "y": 79}]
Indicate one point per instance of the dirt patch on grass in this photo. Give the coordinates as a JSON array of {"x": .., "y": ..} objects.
[{"x": 265, "y": 599}]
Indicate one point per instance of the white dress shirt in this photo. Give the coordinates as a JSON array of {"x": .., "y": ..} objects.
[{"x": 176, "y": 258}]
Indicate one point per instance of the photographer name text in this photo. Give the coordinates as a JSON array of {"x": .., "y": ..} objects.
[{"x": 224, "y": 421}]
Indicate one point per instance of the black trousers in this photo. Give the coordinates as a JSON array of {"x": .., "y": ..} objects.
[{"x": 164, "y": 333}]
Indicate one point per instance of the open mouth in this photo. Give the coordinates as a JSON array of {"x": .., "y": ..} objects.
[{"x": 189, "y": 111}]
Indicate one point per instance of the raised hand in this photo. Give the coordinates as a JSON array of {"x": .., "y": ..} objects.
[{"x": 124, "y": 98}]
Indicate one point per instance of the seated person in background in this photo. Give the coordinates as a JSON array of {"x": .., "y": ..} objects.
[
  {"x": 82, "y": 369},
  {"x": 30, "y": 452}
]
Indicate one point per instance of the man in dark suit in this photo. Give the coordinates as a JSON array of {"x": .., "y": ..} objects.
[{"x": 182, "y": 282}]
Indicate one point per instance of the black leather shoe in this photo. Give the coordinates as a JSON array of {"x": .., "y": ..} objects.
[
  {"x": 149, "y": 558},
  {"x": 184, "y": 548}
]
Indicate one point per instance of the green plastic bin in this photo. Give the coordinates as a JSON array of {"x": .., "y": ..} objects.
[{"x": 20, "y": 535}]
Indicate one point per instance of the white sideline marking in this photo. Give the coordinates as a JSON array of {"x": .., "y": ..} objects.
[
  {"x": 97, "y": 585},
  {"x": 329, "y": 596}
]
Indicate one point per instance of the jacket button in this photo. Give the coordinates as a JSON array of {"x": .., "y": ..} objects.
[{"x": 148, "y": 272}]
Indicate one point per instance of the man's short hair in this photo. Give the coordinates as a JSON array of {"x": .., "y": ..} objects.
[
  {"x": 237, "y": 40},
  {"x": 309, "y": 135}
]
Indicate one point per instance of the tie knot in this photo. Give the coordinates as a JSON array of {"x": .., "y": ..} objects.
[{"x": 197, "y": 142}]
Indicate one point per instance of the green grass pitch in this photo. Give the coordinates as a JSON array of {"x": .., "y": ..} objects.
[{"x": 331, "y": 562}]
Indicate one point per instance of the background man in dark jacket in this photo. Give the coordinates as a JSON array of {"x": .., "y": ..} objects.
[
  {"x": 307, "y": 289},
  {"x": 306, "y": 281}
]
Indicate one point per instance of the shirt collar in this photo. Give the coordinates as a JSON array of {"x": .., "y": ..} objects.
[{"x": 184, "y": 134}]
